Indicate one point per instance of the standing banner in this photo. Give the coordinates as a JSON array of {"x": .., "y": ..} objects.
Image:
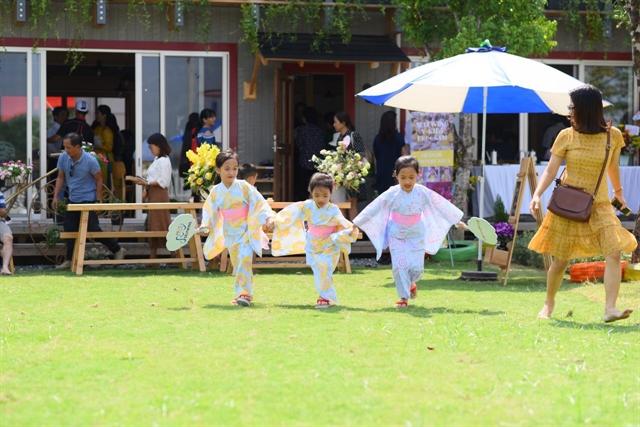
[{"x": 431, "y": 137}]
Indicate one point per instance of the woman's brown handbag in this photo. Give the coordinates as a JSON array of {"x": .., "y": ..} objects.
[{"x": 572, "y": 202}]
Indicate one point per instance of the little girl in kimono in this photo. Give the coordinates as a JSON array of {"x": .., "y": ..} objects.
[
  {"x": 410, "y": 219},
  {"x": 328, "y": 233},
  {"x": 234, "y": 214}
]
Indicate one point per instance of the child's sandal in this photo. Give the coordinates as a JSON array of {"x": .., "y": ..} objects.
[
  {"x": 322, "y": 303},
  {"x": 243, "y": 300},
  {"x": 413, "y": 293},
  {"x": 401, "y": 304}
]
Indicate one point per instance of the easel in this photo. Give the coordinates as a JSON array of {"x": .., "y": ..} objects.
[{"x": 503, "y": 258}]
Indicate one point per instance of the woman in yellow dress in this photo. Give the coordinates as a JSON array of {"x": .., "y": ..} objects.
[
  {"x": 105, "y": 130},
  {"x": 583, "y": 146}
]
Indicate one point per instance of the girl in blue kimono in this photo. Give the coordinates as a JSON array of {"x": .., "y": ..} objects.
[
  {"x": 327, "y": 234},
  {"x": 410, "y": 219},
  {"x": 234, "y": 214}
]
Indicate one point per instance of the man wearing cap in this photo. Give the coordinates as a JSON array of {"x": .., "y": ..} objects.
[
  {"x": 77, "y": 125},
  {"x": 81, "y": 172}
]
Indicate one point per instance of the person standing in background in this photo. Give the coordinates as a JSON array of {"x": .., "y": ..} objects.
[
  {"x": 309, "y": 141},
  {"x": 60, "y": 115},
  {"x": 156, "y": 189},
  {"x": 388, "y": 146},
  {"x": 205, "y": 131},
  {"x": 6, "y": 237},
  {"x": 106, "y": 138},
  {"x": 342, "y": 123},
  {"x": 550, "y": 135}
]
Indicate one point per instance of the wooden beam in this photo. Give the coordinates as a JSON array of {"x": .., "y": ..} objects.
[
  {"x": 251, "y": 88},
  {"x": 336, "y": 64},
  {"x": 374, "y": 65},
  {"x": 394, "y": 68}
]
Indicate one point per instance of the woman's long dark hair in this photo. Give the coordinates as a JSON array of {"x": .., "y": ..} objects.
[
  {"x": 205, "y": 114},
  {"x": 110, "y": 122},
  {"x": 388, "y": 126},
  {"x": 161, "y": 142},
  {"x": 588, "y": 113},
  {"x": 344, "y": 118}
]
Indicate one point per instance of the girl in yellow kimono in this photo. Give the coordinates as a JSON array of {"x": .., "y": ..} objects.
[
  {"x": 327, "y": 234},
  {"x": 233, "y": 215}
]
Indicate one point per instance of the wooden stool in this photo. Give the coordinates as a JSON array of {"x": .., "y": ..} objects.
[{"x": 11, "y": 267}]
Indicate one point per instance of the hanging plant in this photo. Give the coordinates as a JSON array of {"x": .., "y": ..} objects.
[{"x": 279, "y": 20}]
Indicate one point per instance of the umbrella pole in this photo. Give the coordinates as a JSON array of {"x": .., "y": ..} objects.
[{"x": 482, "y": 154}]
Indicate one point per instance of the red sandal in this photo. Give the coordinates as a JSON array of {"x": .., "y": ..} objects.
[
  {"x": 322, "y": 303},
  {"x": 243, "y": 300},
  {"x": 401, "y": 304},
  {"x": 413, "y": 293}
]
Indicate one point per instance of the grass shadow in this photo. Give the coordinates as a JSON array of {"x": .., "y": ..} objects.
[
  {"x": 333, "y": 310},
  {"x": 232, "y": 307},
  {"x": 420, "y": 311},
  {"x": 614, "y": 327}
]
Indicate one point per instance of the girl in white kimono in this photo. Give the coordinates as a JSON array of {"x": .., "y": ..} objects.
[
  {"x": 234, "y": 214},
  {"x": 410, "y": 219},
  {"x": 327, "y": 234}
]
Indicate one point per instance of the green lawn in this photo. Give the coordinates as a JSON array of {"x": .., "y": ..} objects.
[{"x": 164, "y": 347}]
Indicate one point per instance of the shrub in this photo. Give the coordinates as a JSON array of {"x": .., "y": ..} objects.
[
  {"x": 499, "y": 212},
  {"x": 524, "y": 256}
]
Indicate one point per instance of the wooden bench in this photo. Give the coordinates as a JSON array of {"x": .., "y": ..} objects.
[
  {"x": 78, "y": 262},
  {"x": 291, "y": 261}
]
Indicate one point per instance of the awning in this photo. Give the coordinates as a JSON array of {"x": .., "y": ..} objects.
[{"x": 372, "y": 50}]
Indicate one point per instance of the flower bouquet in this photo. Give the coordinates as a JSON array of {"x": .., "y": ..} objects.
[
  {"x": 202, "y": 173},
  {"x": 631, "y": 142},
  {"x": 15, "y": 171},
  {"x": 89, "y": 148},
  {"x": 347, "y": 168}
]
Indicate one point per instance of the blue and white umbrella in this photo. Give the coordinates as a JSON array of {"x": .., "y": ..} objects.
[{"x": 483, "y": 80}]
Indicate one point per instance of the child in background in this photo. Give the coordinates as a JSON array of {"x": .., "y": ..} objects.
[
  {"x": 234, "y": 214},
  {"x": 328, "y": 234},
  {"x": 410, "y": 219},
  {"x": 249, "y": 173}
]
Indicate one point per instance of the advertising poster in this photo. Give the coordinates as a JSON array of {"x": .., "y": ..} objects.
[{"x": 431, "y": 136}]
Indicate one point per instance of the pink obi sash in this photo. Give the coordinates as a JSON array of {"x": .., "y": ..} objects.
[
  {"x": 405, "y": 220},
  {"x": 321, "y": 230},
  {"x": 235, "y": 215}
]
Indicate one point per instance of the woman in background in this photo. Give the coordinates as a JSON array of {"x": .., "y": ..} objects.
[
  {"x": 388, "y": 146},
  {"x": 342, "y": 123},
  {"x": 106, "y": 134},
  {"x": 156, "y": 189}
]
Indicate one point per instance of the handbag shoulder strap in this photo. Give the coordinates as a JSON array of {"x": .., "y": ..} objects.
[
  {"x": 606, "y": 157},
  {"x": 604, "y": 165}
]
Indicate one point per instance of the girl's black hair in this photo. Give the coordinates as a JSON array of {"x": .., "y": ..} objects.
[
  {"x": 321, "y": 180},
  {"x": 407, "y": 162},
  {"x": 160, "y": 141},
  {"x": 588, "y": 112},
  {"x": 205, "y": 114},
  {"x": 226, "y": 155}
]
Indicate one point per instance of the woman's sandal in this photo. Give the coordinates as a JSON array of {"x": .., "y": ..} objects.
[
  {"x": 401, "y": 304},
  {"x": 413, "y": 293},
  {"x": 322, "y": 303}
]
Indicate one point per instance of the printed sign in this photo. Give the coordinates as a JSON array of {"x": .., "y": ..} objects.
[{"x": 431, "y": 137}]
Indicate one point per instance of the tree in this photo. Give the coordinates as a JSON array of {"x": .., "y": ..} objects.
[{"x": 446, "y": 28}]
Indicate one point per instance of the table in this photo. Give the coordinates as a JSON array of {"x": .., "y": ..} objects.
[
  {"x": 78, "y": 262},
  {"x": 501, "y": 180}
]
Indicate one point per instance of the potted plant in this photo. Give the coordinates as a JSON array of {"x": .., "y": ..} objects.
[
  {"x": 15, "y": 172},
  {"x": 59, "y": 213},
  {"x": 52, "y": 237},
  {"x": 500, "y": 254}
]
